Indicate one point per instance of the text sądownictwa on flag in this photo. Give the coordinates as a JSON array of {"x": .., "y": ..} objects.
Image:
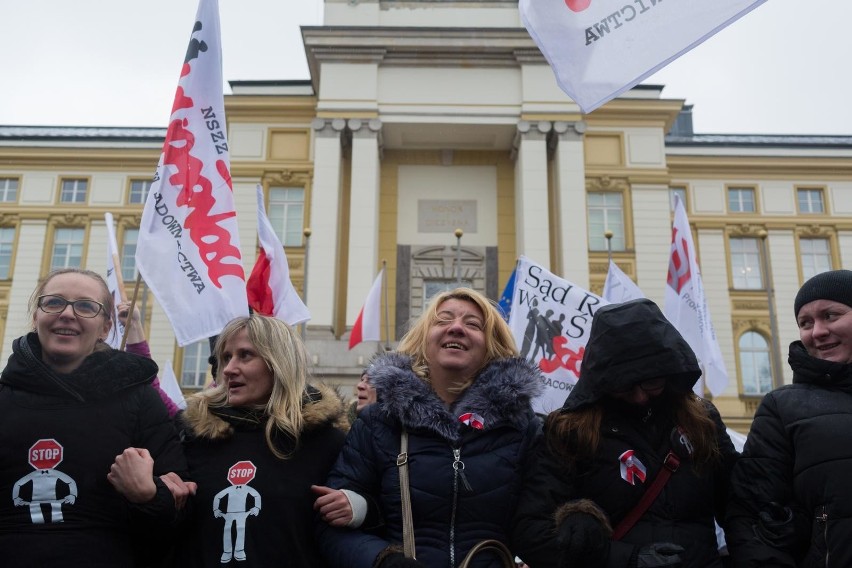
[
  {"x": 367, "y": 324},
  {"x": 188, "y": 250},
  {"x": 269, "y": 288},
  {"x": 550, "y": 320},
  {"x": 686, "y": 305},
  {"x": 600, "y": 48}
]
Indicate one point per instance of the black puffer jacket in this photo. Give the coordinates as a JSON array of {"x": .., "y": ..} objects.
[
  {"x": 798, "y": 454},
  {"x": 81, "y": 421},
  {"x": 627, "y": 346},
  {"x": 449, "y": 518}
]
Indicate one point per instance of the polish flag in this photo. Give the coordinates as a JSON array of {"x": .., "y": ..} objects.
[
  {"x": 367, "y": 325},
  {"x": 269, "y": 289},
  {"x": 188, "y": 250}
]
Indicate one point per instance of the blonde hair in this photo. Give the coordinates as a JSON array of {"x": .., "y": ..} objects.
[
  {"x": 105, "y": 299},
  {"x": 499, "y": 342},
  {"x": 286, "y": 357}
]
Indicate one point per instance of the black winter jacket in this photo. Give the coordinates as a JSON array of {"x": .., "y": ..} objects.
[
  {"x": 627, "y": 347},
  {"x": 69, "y": 429},
  {"x": 464, "y": 481},
  {"x": 266, "y": 505},
  {"x": 798, "y": 454}
]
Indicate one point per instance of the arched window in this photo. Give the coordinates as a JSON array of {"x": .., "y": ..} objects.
[{"x": 755, "y": 364}]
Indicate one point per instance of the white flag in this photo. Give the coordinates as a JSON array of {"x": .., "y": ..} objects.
[
  {"x": 686, "y": 305},
  {"x": 169, "y": 384},
  {"x": 366, "y": 326},
  {"x": 117, "y": 331},
  {"x": 600, "y": 48},
  {"x": 188, "y": 250},
  {"x": 618, "y": 287},
  {"x": 550, "y": 320},
  {"x": 269, "y": 288}
]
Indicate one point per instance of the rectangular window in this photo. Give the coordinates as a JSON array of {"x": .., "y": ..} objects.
[
  {"x": 128, "y": 254},
  {"x": 74, "y": 191},
  {"x": 67, "y": 248},
  {"x": 741, "y": 200},
  {"x": 810, "y": 201},
  {"x": 139, "y": 191},
  {"x": 286, "y": 213},
  {"x": 754, "y": 364},
  {"x": 8, "y": 190},
  {"x": 745, "y": 264},
  {"x": 816, "y": 256},
  {"x": 194, "y": 370},
  {"x": 606, "y": 213},
  {"x": 7, "y": 244}
]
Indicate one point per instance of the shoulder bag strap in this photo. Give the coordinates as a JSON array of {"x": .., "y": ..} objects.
[
  {"x": 670, "y": 465},
  {"x": 405, "y": 496},
  {"x": 507, "y": 560}
]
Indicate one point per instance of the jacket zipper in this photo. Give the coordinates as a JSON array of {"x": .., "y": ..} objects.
[
  {"x": 822, "y": 517},
  {"x": 458, "y": 474}
]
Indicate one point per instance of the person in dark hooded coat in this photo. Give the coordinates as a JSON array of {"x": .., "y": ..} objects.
[
  {"x": 632, "y": 405},
  {"x": 458, "y": 387},
  {"x": 791, "y": 499}
]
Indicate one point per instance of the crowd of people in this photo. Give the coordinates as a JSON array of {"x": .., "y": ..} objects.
[{"x": 439, "y": 454}]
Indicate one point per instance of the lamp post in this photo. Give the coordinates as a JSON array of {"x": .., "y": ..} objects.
[
  {"x": 458, "y": 233},
  {"x": 773, "y": 320},
  {"x": 307, "y": 234},
  {"x": 608, "y": 236}
]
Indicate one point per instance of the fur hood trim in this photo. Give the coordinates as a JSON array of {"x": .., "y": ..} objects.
[
  {"x": 583, "y": 506},
  {"x": 500, "y": 394},
  {"x": 321, "y": 406}
]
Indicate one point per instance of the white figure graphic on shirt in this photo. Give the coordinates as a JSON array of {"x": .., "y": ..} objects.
[
  {"x": 237, "y": 510},
  {"x": 44, "y": 456}
]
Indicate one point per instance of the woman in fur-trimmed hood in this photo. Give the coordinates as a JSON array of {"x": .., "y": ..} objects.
[
  {"x": 632, "y": 406},
  {"x": 255, "y": 444},
  {"x": 458, "y": 388}
]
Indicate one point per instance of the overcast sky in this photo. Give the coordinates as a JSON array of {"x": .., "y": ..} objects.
[{"x": 782, "y": 69}]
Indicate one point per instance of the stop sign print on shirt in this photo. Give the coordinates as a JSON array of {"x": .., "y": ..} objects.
[
  {"x": 45, "y": 454},
  {"x": 241, "y": 473}
]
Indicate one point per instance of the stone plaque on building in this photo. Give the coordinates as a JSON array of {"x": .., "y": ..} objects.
[{"x": 446, "y": 215}]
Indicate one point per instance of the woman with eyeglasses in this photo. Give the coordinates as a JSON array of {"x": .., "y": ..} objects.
[
  {"x": 631, "y": 415},
  {"x": 84, "y": 439}
]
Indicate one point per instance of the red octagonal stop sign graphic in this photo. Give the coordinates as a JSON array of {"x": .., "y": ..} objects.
[
  {"x": 241, "y": 473},
  {"x": 45, "y": 454}
]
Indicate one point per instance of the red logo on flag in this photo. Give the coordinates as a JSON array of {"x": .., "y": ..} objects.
[
  {"x": 631, "y": 468},
  {"x": 473, "y": 420},
  {"x": 241, "y": 473},
  {"x": 679, "y": 273},
  {"x": 45, "y": 454},
  {"x": 577, "y": 5}
]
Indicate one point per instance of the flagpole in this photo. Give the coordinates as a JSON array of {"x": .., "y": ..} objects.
[
  {"x": 608, "y": 236},
  {"x": 777, "y": 379},
  {"x": 130, "y": 311},
  {"x": 458, "y": 233},
  {"x": 307, "y": 233},
  {"x": 387, "y": 306}
]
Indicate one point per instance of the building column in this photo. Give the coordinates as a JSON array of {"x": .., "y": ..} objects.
[
  {"x": 31, "y": 240},
  {"x": 532, "y": 224},
  {"x": 322, "y": 260},
  {"x": 572, "y": 242},
  {"x": 363, "y": 213}
]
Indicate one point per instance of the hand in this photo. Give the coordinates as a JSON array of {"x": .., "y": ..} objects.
[
  {"x": 659, "y": 554},
  {"x": 132, "y": 475},
  {"x": 218, "y": 514},
  {"x": 69, "y": 499},
  {"x": 20, "y": 502},
  {"x": 775, "y": 525},
  {"x": 254, "y": 511},
  {"x": 135, "y": 332},
  {"x": 583, "y": 541},
  {"x": 398, "y": 560},
  {"x": 332, "y": 505},
  {"x": 181, "y": 490}
]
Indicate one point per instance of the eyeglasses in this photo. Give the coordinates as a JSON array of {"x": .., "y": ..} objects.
[
  {"x": 51, "y": 304},
  {"x": 649, "y": 385}
]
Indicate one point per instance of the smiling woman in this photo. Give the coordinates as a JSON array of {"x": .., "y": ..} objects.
[{"x": 77, "y": 414}]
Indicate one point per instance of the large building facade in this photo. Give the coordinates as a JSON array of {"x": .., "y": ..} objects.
[{"x": 413, "y": 125}]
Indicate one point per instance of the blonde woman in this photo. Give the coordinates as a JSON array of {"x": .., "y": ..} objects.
[{"x": 255, "y": 444}]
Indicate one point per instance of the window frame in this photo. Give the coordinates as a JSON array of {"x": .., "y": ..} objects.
[
  {"x": 281, "y": 225},
  {"x": 203, "y": 362},
  {"x": 625, "y": 244},
  {"x": 729, "y": 189},
  {"x": 759, "y": 264},
  {"x": 740, "y": 352},
  {"x": 129, "y": 197},
  {"x": 52, "y": 251},
  {"x": 77, "y": 179},
  {"x": 4, "y": 191},
  {"x": 13, "y": 250},
  {"x": 822, "y": 196}
]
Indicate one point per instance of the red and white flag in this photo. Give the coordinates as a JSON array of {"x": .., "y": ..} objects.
[
  {"x": 188, "y": 250},
  {"x": 366, "y": 326},
  {"x": 117, "y": 331},
  {"x": 600, "y": 48},
  {"x": 269, "y": 289},
  {"x": 686, "y": 306}
]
